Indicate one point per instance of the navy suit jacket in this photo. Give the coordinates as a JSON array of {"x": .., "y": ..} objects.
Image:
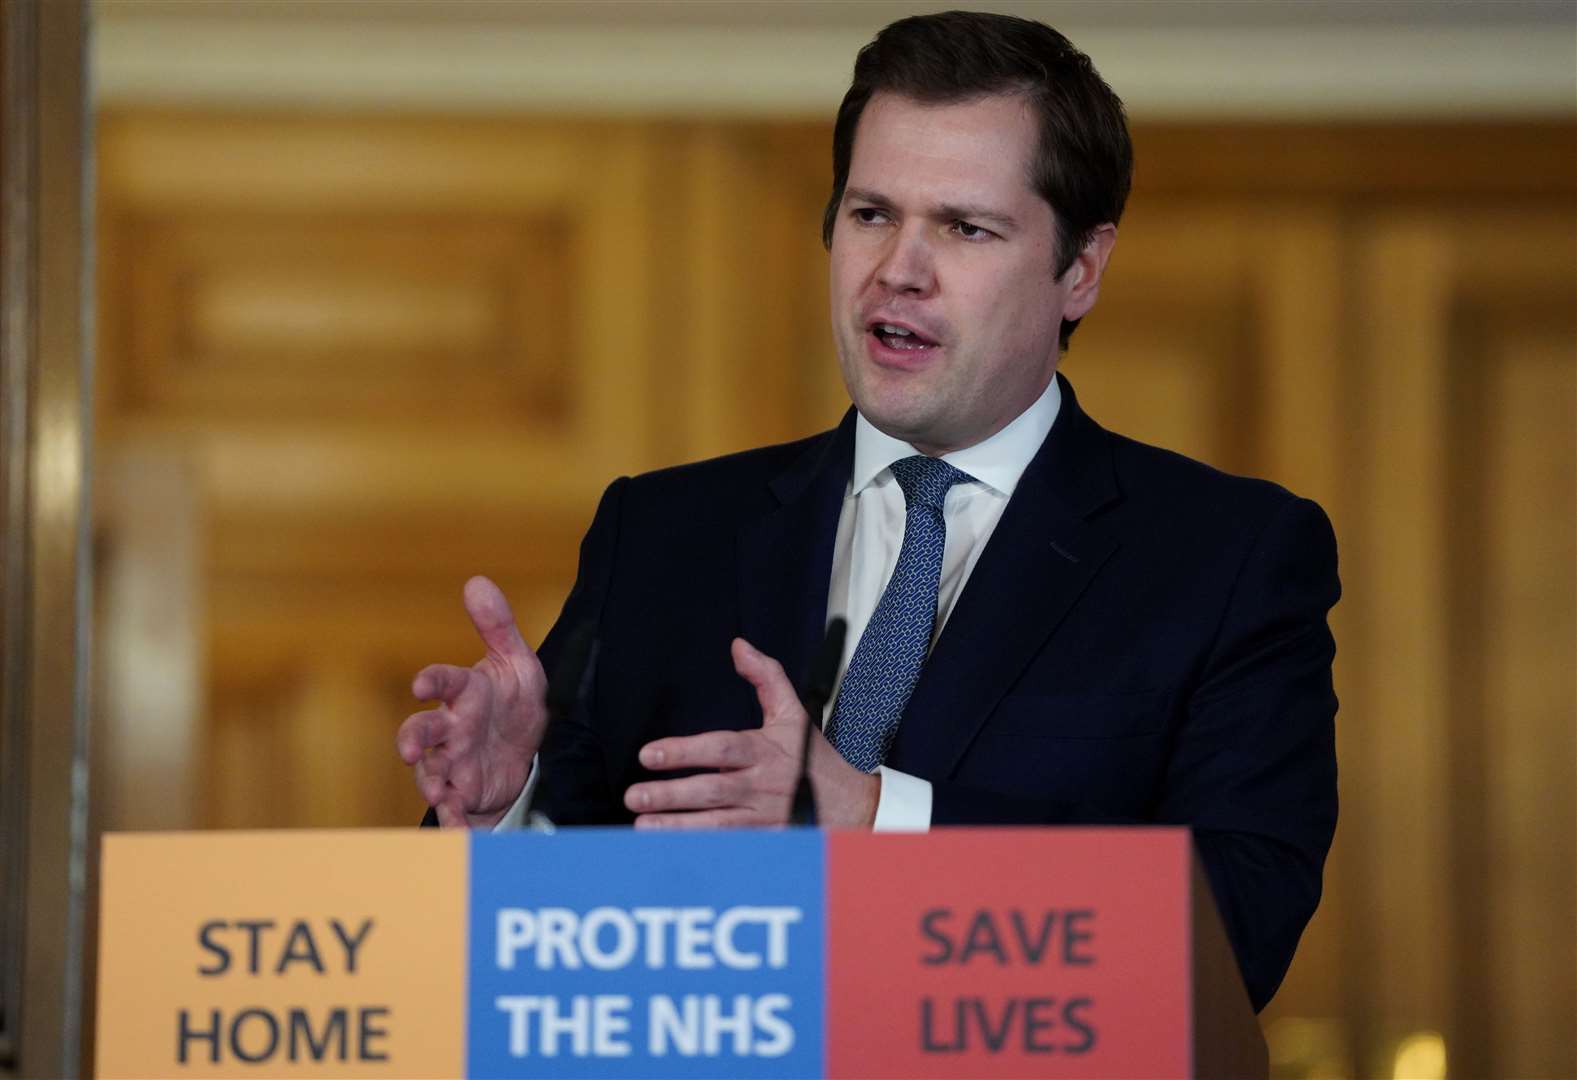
[{"x": 1143, "y": 640}]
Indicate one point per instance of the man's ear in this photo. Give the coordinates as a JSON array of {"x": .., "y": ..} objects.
[{"x": 1084, "y": 276}]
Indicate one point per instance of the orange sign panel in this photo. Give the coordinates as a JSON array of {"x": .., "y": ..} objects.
[{"x": 324, "y": 954}]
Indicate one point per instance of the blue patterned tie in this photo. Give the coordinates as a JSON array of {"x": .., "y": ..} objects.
[{"x": 886, "y": 664}]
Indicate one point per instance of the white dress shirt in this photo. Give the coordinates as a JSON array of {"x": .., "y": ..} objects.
[{"x": 870, "y": 533}]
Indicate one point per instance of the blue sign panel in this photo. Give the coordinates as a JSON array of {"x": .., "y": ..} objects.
[{"x": 626, "y": 954}]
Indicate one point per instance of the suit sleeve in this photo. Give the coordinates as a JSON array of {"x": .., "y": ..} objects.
[{"x": 1252, "y": 769}]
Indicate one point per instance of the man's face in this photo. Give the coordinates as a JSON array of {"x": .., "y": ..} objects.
[{"x": 944, "y": 307}]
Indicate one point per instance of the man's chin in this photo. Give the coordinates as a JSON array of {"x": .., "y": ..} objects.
[
  {"x": 902, "y": 406},
  {"x": 916, "y": 427}
]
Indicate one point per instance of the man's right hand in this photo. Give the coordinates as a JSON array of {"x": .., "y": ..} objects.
[{"x": 472, "y": 754}]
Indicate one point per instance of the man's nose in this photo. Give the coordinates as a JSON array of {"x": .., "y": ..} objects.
[{"x": 908, "y": 266}]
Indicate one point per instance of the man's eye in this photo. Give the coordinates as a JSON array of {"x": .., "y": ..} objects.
[
  {"x": 971, "y": 232},
  {"x": 868, "y": 215}
]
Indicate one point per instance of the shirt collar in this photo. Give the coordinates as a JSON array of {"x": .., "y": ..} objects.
[{"x": 998, "y": 462}]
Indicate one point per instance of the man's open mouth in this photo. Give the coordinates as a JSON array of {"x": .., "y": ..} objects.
[{"x": 900, "y": 337}]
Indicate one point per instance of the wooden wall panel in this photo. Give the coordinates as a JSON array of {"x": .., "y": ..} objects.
[
  {"x": 1516, "y": 640},
  {"x": 1529, "y": 702},
  {"x": 761, "y": 360},
  {"x": 387, "y": 346},
  {"x": 1402, "y": 773},
  {"x": 1169, "y": 349},
  {"x": 305, "y": 316},
  {"x": 1467, "y": 581},
  {"x": 149, "y": 606}
]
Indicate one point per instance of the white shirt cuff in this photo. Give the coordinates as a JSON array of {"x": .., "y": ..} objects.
[
  {"x": 515, "y": 817},
  {"x": 904, "y": 804}
]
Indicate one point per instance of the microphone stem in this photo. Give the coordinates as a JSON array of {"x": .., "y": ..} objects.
[{"x": 818, "y": 688}]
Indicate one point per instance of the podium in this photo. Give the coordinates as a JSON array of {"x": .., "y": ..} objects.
[{"x": 1011, "y": 952}]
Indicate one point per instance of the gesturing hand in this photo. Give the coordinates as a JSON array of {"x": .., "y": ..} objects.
[
  {"x": 757, "y": 770},
  {"x": 473, "y": 752}
]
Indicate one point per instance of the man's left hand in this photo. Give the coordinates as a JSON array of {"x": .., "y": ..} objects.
[{"x": 756, "y": 771}]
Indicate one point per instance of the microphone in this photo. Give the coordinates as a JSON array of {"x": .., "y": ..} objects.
[
  {"x": 566, "y": 689},
  {"x": 818, "y": 688},
  {"x": 573, "y": 675}
]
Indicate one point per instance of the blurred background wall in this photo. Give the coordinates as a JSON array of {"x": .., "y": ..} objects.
[{"x": 388, "y": 293}]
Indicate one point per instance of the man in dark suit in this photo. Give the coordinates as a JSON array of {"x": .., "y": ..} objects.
[{"x": 1049, "y": 623}]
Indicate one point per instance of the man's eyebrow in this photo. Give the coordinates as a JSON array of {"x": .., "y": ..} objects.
[
  {"x": 971, "y": 212},
  {"x": 945, "y": 212},
  {"x": 866, "y": 195}
]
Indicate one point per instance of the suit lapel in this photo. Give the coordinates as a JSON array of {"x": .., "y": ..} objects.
[
  {"x": 1040, "y": 559},
  {"x": 785, "y": 557}
]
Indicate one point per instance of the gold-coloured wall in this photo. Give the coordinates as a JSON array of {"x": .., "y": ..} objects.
[{"x": 347, "y": 360}]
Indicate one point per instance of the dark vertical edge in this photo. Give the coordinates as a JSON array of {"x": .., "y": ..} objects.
[
  {"x": 1227, "y": 1042},
  {"x": 76, "y": 88},
  {"x": 1468, "y": 1027},
  {"x": 1357, "y": 992},
  {"x": 51, "y": 706},
  {"x": 16, "y": 350}
]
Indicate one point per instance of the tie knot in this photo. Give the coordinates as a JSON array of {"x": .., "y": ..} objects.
[{"x": 926, "y": 480}]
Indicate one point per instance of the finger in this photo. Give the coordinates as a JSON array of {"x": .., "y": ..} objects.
[
  {"x": 440, "y": 682},
  {"x": 708, "y": 791},
  {"x": 709, "y": 750},
  {"x": 421, "y": 732},
  {"x": 432, "y": 779},
  {"x": 467, "y": 700},
  {"x": 494, "y": 622},
  {"x": 701, "y": 819},
  {"x": 776, "y": 694},
  {"x": 450, "y": 814}
]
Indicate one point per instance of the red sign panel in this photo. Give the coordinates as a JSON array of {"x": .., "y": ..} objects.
[{"x": 1008, "y": 953}]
